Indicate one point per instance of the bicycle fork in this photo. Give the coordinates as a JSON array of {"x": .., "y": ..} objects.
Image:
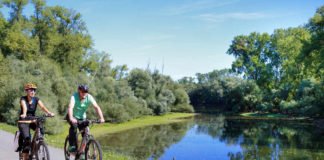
[{"x": 38, "y": 138}]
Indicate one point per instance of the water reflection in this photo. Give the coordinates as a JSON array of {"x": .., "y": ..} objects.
[
  {"x": 219, "y": 137},
  {"x": 274, "y": 139},
  {"x": 148, "y": 142}
]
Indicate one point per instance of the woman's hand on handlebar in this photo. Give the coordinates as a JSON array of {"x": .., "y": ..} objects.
[
  {"x": 102, "y": 120},
  {"x": 23, "y": 116},
  {"x": 50, "y": 114}
]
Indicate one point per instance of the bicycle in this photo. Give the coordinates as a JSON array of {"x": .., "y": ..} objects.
[
  {"x": 38, "y": 147},
  {"x": 88, "y": 146}
]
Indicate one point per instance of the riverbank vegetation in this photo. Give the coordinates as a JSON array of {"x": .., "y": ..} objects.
[
  {"x": 52, "y": 48},
  {"x": 278, "y": 73}
]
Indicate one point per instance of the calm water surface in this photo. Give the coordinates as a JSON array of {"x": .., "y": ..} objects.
[{"x": 208, "y": 137}]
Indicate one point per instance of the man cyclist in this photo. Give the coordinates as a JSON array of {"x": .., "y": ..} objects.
[
  {"x": 28, "y": 105},
  {"x": 79, "y": 103}
]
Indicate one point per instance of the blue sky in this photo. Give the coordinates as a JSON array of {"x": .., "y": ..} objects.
[{"x": 184, "y": 36}]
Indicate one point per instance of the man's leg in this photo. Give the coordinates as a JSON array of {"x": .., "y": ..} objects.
[{"x": 72, "y": 137}]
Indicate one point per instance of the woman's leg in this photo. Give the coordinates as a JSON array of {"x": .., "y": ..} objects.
[{"x": 25, "y": 133}]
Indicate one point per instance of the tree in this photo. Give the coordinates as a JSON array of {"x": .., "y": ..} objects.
[
  {"x": 40, "y": 29},
  {"x": 141, "y": 83},
  {"x": 16, "y": 35},
  {"x": 313, "y": 54},
  {"x": 182, "y": 102},
  {"x": 104, "y": 69},
  {"x": 16, "y": 7},
  {"x": 253, "y": 58},
  {"x": 120, "y": 71},
  {"x": 287, "y": 45}
]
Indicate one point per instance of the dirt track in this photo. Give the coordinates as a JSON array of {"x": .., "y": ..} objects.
[{"x": 7, "y": 151}]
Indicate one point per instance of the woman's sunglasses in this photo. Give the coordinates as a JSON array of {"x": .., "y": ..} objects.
[{"x": 31, "y": 90}]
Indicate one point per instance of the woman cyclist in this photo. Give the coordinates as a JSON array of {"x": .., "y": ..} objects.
[{"x": 28, "y": 105}]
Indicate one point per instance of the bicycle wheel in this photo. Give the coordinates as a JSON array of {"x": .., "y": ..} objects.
[
  {"x": 20, "y": 155},
  {"x": 70, "y": 155},
  {"x": 42, "y": 152},
  {"x": 93, "y": 150},
  {"x": 66, "y": 148}
]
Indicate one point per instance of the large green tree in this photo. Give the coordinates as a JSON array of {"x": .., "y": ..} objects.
[
  {"x": 254, "y": 58},
  {"x": 313, "y": 54},
  {"x": 287, "y": 45}
]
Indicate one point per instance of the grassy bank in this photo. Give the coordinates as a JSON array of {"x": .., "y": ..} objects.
[
  {"x": 256, "y": 115},
  {"x": 57, "y": 140}
]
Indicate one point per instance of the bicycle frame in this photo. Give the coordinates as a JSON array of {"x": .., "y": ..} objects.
[
  {"x": 86, "y": 136},
  {"x": 37, "y": 136},
  {"x": 84, "y": 142}
]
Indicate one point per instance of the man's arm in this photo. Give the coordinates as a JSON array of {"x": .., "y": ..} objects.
[
  {"x": 98, "y": 110},
  {"x": 70, "y": 110}
]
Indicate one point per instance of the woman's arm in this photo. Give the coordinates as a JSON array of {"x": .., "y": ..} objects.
[
  {"x": 23, "y": 108},
  {"x": 40, "y": 103}
]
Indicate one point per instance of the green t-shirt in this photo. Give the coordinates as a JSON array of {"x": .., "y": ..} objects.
[{"x": 80, "y": 108}]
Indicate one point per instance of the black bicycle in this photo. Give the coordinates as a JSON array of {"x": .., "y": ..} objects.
[
  {"x": 87, "y": 146},
  {"x": 38, "y": 147}
]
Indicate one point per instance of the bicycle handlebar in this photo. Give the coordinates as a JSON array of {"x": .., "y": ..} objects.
[
  {"x": 88, "y": 121},
  {"x": 34, "y": 119}
]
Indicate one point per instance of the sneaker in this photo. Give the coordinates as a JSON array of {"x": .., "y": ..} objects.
[
  {"x": 82, "y": 157},
  {"x": 18, "y": 149},
  {"x": 26, "y": 149},
  {"x": 72, "y": 149}
]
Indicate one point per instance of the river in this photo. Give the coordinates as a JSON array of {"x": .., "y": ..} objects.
[{"x": 209, "y": 137}]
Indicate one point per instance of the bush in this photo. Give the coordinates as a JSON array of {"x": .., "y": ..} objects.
[
  {"x": 117, "y": 113},
  {"x": 54, "y": 125},
  {"x": 265, "y": 107},
  {"x": 12, "y": 114},
  {"x": 183, "y": 108},
  {"x": 288, "y": 107}
]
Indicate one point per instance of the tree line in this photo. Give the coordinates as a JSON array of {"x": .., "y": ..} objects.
[
  {"x": 52, "y": 48},
  {"x": 280, "y": 72}
]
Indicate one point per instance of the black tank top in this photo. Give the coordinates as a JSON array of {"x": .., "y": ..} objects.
[{"x": 31, "y": 108}]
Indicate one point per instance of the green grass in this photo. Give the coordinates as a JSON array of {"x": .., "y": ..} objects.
[
  {"x": 256, "y": 115},
  {"x": 99, "y": 130},
  {"x": 8, "y": 128},
  {"x": 264, "y": 115},
  {"x": 57, "y": 140}
]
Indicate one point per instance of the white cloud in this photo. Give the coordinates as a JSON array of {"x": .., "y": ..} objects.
[
  {"x": 145, "y": 47},
  {"x": 198, "y": 5},
  {"x": 157, "y": 37},
  {"x": 231, "y": 16}
]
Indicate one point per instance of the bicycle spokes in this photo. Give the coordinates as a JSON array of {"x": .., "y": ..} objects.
[
  {"x": 42, "y": 152},
  {"x": 93, "y": 151},
  {"x": 92, "y": 154}
]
